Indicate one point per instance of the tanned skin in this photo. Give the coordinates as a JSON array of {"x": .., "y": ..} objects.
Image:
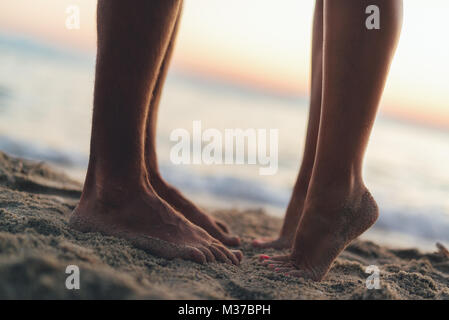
[
  {"x": 296, "y": 204},
  {"x": 338, "y": 207},
  {"x": 169, "y": 193},
  {"x": 118, "y": 197}
]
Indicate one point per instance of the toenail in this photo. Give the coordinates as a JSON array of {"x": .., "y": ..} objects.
[{"x": 263, "y": 256}]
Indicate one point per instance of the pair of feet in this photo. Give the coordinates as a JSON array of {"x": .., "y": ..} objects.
[
  {"x": 319, "y": 228},
  {"x": 156, "y": 217}
]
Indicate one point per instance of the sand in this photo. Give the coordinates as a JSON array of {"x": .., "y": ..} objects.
[{"x": 36, "y": 246}]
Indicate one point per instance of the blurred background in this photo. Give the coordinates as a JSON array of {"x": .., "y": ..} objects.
[{"x": 239, "y": 64}]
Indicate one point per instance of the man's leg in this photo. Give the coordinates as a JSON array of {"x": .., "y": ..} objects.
[
  {"x": 295, "y": 207},
  {"x": 169, "y": 193},
  {"x": 117, "y": 198},
  {"x": 338, "y": 206}
]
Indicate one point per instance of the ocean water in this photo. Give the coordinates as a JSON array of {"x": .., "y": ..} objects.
[{"x": 45, "y": 114}]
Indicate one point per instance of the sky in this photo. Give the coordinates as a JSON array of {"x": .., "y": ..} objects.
[{"x": 267, "y": 44}]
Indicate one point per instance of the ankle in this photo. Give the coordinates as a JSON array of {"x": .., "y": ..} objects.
[
  {"x": 113, "y": 190},
  {"x": 340, "y": 189}
]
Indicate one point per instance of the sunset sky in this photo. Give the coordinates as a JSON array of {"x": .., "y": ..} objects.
[{"x": 267, "y": 44}]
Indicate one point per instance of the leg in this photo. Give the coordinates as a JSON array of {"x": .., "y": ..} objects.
[
  {"x": 338, "y": 206},
  {"x": 164, "y": 190},
  {"x": 117, "y": 198},
  {"x": 295, "y": 207}
]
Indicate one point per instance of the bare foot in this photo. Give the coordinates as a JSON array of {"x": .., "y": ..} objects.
[
  {"x": 329, "y": 224},
  {"x": 149, "y": 223},
  {"x": 176, "y": 199},
  {"x": 290, "y": 224}
]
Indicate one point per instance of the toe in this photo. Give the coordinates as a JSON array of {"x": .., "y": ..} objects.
[
  {"x": 284, "y": 257},
  {"x": 238, "y": 254},
  {"x": 213, "y": 228},
  {"x": 231, "y": 241},
  {"x": 263, "y": 243},
  {"x": 222, "y": 226},
  {"x": 209, "y": 256},
  {"x": 263, "y": 257},
  {"x": 219, "y": 255},
  {"x": 230, "y": 255},
  {"x": 224, "y": 238},
  {"x": 194, "y": 255}
]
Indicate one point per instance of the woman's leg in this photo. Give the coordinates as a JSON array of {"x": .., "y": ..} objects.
[
  {"x": 338, "y": 206},
  {"x": 117, "y": 198},
  {"x": 167, "y": 192},
  {"x": 295, "y": 207}
]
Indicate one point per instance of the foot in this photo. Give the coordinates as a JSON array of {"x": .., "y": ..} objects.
[
  {"x": 149, "y": 223},
  {"x": 176, "y": 199},
  {"x": 290, "y": 224},
  {"x": 330, "y": 223}
]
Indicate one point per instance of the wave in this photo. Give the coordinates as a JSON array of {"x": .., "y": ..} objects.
[
  {"x": 33, "y": 151},
  {"x": 427, "y": 223},
  {"x": 227, "y": 187}
]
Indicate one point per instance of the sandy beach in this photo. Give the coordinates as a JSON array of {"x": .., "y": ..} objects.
[{"x": 36, "y": 245}]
